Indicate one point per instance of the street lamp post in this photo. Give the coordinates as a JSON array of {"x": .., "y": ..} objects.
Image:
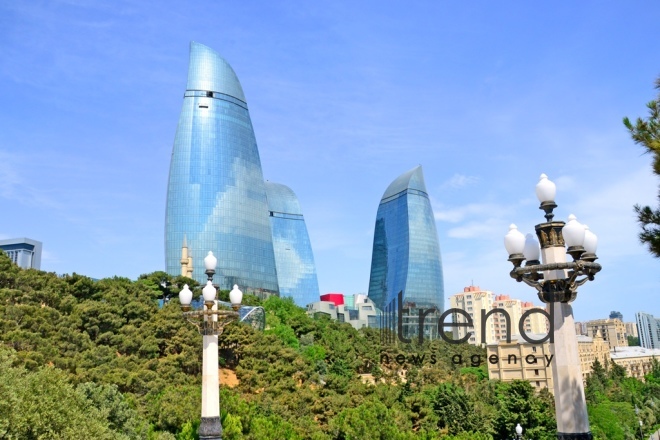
[
  {"x": 556, "y": 282},
  {"x": 210, "y": 321},
  {"x": 641, "y": 432}
]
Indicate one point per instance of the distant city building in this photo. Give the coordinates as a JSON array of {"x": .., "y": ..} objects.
[
  {"x": 363, "y": 312},
  {"x": 24, "y": 252},
  {"x": 216, "y": 195},
  {"x": 581, "y": 328},
  {"x": 638, "y": 361},
  {"x": 616, "y": 315},
  {"x": 406, "y": 255},
  {"x": 631, "y": 329},
  {"x": 513, "y": 363},
  {"x": 613, "y": 331},
  {"x": 296, "y": 271},
  {"x": 648, "y": 329},
  {"x": 473, "y": 300}
]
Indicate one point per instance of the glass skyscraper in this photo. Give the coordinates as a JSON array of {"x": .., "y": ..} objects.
[
  {"x": 406, "y": 252},
  {"x": 216, "y": 195},
  {"x": 296, "y": 272}
]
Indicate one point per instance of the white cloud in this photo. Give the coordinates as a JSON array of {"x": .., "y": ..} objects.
[{"x": 460, "y": 181}]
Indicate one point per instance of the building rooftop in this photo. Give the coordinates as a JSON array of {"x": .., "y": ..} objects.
[{"x": 632, "y": 352}]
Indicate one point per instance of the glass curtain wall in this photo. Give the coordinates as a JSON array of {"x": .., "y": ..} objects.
[
  {"x": 406, "y": 252},
  {"x": 296, "y": 271},
  {"x": 216, "y": 195}
]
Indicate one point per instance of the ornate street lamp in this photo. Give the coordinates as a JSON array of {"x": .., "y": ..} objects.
[
  {"x": 556, "y": 282},
  {"x": 519, "y": 432},
  {"x": 210, "y": 321}
]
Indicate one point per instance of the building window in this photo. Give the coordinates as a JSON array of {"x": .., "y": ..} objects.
[{"x": 536, "y": 372}]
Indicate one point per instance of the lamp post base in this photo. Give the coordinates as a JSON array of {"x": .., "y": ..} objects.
[
  {"x": 575, "y": 436},
  {"x": 210, "y": 429}
]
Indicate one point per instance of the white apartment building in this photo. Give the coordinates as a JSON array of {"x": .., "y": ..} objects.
[{"x": 473, "y": 300}]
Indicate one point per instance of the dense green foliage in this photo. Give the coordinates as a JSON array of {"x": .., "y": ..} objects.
[
  {"x": 646, "y": 132},
  {"x": 612, "y": 398},
  {"x": 85, "y": 359}
]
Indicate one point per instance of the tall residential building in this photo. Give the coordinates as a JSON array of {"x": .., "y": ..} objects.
[
  {"x": 613, "y": 331},
  {"x": 631, "y": 329},
  {"x": 616, "y": 315},
  {"x": 648, "y": 328},
  {"x": 24, "y": 252},
  {"x": 473, "y": 300},
  {"x": 216, "y": 194},
  {"x": 296, "y": 272},
  {"x": 406, "y": 254}
]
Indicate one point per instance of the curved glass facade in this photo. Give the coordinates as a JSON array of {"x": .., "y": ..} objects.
[
  {"x": 406, "y": 253},
  {"x": 216, "y": 196},
  {"x": 296, "y": 271}
]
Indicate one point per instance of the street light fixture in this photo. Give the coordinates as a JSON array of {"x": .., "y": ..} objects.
[
  {"x": 556, "y": 282},
  {"x": 519, "y": 432},
  {"x": 641, "y": 432},
  {"x": 210, "y": 321}
]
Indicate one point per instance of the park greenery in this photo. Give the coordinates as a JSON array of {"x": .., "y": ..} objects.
[
  {"x": 114, "y": 359},
  {"x": 646, "y": 132}
]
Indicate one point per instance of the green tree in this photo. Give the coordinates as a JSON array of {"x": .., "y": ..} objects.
[
  {"x": 455, "y": 410},
  {"x": 646, "y": 132},
  {"x": 519, "y": 403}
]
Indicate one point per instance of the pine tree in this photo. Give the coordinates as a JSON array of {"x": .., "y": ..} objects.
[{"x": 646, "y": 132}]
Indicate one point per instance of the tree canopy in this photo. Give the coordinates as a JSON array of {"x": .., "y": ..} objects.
[{"x": 110, "y": 359}]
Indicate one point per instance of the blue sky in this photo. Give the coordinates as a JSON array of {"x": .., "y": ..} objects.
[{"x": 344, "y": 97}]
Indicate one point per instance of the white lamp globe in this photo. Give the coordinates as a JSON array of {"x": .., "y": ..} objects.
[
  {"x": 514, "y": 240},
  {"x": 545, "y": 189},
  {"x": 185, "y": 296},
  {"x": 573, "y": 232},
  {"x": 590, "y": 241},
  {"x": 519, "y": 429},
  {"x": 531, "y": 251},
  {"x": 235, "y": 296},
  {"x": 210, "y": 262},
  {"x": 208, "y": 292}
]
